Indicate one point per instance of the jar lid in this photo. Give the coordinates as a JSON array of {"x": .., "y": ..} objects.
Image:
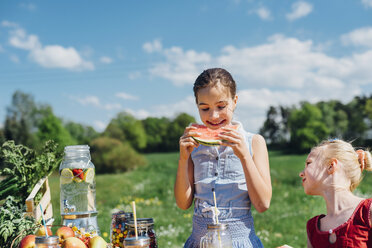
[
  {"x": 219, "y": 226},
  {"x": 77, "y": 148},
  {"x": 122, "y": 214},
  {"x": 141, "y": 241},
  {"x": 142, "y": 221},
  {"x": 46, "y": 240}
]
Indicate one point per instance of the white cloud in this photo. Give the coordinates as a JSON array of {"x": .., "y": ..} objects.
[
  {"x": 134, "y": 75},
  {"x": 264, "y": 13},
  {"x": 296, "y": 70},
  {"x": 28, "y": 6},
  {"x": 126, "y": 96},
  {"x": 99, "y": 125},
  {"x": 50, "y": 56},
  {"x": 367, "y": 3},
  {"x": 14, "y": 58},
  {"x": 358, "y": 37},
  {"x": 181, "y": 67},
  {"x": 94, "y": 101},
  {"x": 154, "y": 46},
  {"x": 88, "y": 100},
  {"x": 60, "y": 57},
  {"x": 19, "y": 39},
  {"x": 9, "y": 24},
  {"x": 106, "y": 60},
  {"x": 186, "y": 105},
  {"x": 299, "y": 9}
]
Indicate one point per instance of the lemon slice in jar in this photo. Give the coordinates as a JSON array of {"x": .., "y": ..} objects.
[
  {"x": 89, "y": 175},
  {"x": 66, "y": 176}
]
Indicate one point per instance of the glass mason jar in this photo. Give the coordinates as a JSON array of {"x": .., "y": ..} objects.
[
  {"x": 217, "y": 236},
  {"x": 118, "y": 230},
  {"x": 145, "y": 227},
  {"x": 78, "y": 188},
  {"x": 140, "y": 242},
  {"x": 47, "y": 242}
]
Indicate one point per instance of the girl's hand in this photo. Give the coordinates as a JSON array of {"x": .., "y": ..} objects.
[
  {"x": 187, "y": 143},
  {"x": 236, "y": 140}
]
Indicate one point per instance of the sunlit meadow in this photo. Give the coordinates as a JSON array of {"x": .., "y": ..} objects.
[{"x": 151, "y": 187}]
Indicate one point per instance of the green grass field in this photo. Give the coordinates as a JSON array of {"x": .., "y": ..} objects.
[{"x": 152, "y": 189}]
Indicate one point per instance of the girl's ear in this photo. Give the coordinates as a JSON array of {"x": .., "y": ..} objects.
[{"x": 333, "y": 166}]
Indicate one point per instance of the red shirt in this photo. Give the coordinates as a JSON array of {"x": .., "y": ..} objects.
[{"x": 356, "y": 232}]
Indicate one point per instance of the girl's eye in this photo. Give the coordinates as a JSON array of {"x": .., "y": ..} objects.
[
  {"x": 205, "y": 109},
  {"x": 221, "y": 107}
]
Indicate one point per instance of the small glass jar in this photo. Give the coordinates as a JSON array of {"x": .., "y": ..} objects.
[
  {"x": 139, "y": 242},
  {"x": 217, "y": 236},
  {"x": 47, "y": 242},
  {"x": 145, "y": 227},
  {"x": 118, "y": 230}
]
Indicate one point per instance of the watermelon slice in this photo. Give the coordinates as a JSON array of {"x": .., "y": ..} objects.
[{"x": 209, "y": 137}]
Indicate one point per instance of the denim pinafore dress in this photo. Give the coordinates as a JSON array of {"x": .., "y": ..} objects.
[{"x": 219, "y": 168}]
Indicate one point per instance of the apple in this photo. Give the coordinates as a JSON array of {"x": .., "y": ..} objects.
[
  {"x": 41, "y": 231},
  {"x": 28, "y": 241},
  {"x": 73, "y": 242},
  {"x": 64, "y": 232},
  {"x": 97, "y": 242}
]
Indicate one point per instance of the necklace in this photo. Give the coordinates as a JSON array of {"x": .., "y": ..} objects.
[{"x": 332, "y": 236}]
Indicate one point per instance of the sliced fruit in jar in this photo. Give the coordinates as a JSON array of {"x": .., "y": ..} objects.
[
  {"x": 89, "y": 175},
  {"x": 66, "y": 176},
  {"x": 78, "y": 179}
]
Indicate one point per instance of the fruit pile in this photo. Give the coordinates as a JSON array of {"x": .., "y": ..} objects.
[
  {"x": 77, "y": 175},
  {"x": 69, "y": 237}
]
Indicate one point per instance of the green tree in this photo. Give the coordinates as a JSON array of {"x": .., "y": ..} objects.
[
  {"x": 50, "y": 127},
  {"x": 306, "y": 127},
  {"x": 113, "y": 156},
  {"x": 20, "y": 121},
  {"x": 82, "y": 134},
  {"x": 357, "y": 116},
  {"x": 2, "y": 137},
  {"x": 176, "y": 129},
  {"x": 334, "y": 117},
  {"x": 156, "y": 131},
  {"x": 128, "y": 129}
]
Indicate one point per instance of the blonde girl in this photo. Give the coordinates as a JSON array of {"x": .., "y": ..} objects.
[{"x": 333, "y": 170}]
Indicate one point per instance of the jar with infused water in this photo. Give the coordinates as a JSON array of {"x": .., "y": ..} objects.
[
  {"x": 47, "y": 242},
  {"x": 118, "y": 229},
  {"x": 217, "y": 236},
  {"x": 78, "y": 189},
  {"x": 139, "y": 242},
  {"x": 145, "y": 228}
]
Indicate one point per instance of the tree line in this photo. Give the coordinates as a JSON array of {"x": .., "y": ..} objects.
[
  {"x": 118, "y": 148},
  {"x": 299, "y": 128}
]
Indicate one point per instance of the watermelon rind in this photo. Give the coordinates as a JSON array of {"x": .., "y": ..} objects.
[{"x": 207, "y": 142}]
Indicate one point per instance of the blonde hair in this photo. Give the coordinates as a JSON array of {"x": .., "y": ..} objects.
[{"x": 352, "y": 163}]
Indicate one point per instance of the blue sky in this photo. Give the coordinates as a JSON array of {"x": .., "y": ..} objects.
[{"x": 92, "y": 59}]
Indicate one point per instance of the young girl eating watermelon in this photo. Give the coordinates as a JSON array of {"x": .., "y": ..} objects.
[
  {"x": 333, "y": 170},
  {"x": 237, "y": 169}
]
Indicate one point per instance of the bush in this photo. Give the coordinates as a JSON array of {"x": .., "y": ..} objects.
[{"x": 111, "y": 156}]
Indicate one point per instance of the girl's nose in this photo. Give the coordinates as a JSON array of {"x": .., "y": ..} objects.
[
  {"x": 214, "y": 114},
  {"x": 302, "y": 174}
]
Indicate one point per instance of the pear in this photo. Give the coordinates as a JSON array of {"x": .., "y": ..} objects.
[{"x": 97, "y": 242}]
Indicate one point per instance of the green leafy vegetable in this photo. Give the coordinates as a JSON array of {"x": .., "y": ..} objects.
[
  {"x": 13, "y": 223},
  {"x": 23, "y": 168}
]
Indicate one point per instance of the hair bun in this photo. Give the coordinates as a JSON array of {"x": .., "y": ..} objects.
[{"x": 361, "y": 158}]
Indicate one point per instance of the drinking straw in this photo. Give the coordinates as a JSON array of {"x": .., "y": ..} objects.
[
  {"x": 42, "y": 217},
  {"x": 135, "y": 218},
  {"x": 215, "y": 204},
  {"x": 215, "y": 208}
]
